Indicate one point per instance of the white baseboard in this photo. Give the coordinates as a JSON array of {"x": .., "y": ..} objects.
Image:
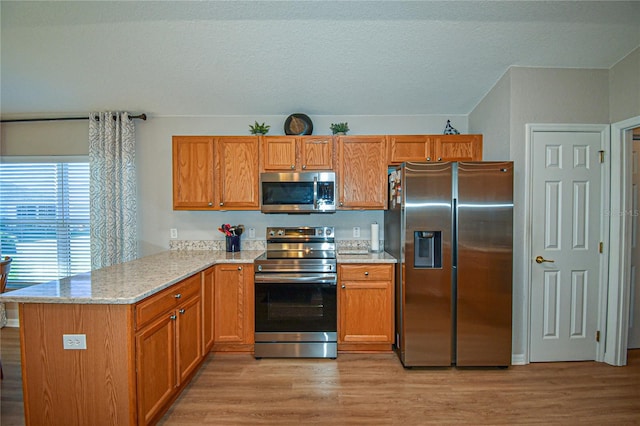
[{"x": 518, "y": 359}]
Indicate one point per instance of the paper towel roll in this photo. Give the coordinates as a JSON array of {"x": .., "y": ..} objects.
[{"x": 375, "y": 237}]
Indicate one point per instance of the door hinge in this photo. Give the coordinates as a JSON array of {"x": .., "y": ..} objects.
[
  {"x": 601, "y": 156},
  {"x": 601, "y": 247},
  {"x": 598, "y": 336}
]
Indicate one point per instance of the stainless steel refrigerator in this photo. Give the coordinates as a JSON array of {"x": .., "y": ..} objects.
[{"x": 450, "y": 226}]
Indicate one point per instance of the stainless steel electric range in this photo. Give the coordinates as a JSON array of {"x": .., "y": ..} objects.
[{"x": 295, "y": 294}]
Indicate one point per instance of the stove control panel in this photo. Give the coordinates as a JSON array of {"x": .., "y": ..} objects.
[{"x": 300, "y": 232}]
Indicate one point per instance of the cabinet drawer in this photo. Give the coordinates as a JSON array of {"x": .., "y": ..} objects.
[
  {"x": 366, "y": 272},
  {"x": 188, "y": 287},
  {"x": 166, "y": 300}
]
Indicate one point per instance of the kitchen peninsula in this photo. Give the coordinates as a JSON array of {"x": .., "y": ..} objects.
[{"x": 135, "y": 333}]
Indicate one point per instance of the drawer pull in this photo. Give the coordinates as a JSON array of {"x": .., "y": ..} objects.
[
  {"x": 178, "y": 296},
  {"x": 181, "y": 311},
  {"x": 173, "y": 317},
  {"x": 366, "y": 273},
  {"x": 239, "y": 268},
  {"x": 344, "y": 286}
]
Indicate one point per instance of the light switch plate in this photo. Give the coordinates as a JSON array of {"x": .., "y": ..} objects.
[{"x": 74, "y": 341}]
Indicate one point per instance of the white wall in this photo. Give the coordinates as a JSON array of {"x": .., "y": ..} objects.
[
  {"x": 536, "y": 95},
  {"x": 624, "y": 88}
]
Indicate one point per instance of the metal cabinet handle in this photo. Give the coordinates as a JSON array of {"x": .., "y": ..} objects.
[
  {"x": 366, "y": 273},
  {"x": 173, "y": 317},
  {"x": 341, "y": 203},
  {"x": 239, "y": 268},
  {"x": 181, "y": 311},
  {"x": 428, "y": 158},
  {"x": 439, "y": 158},
  {"x": 540, "y": 259},
  {"x": 293, "y": 166},
  {"x": 221, "y": 203},
  {"x": 178, "y": 296},
  {"x": 210, "y": 204},
  {"x": 304, "y": 166},
  {"x": 344, "y": 286}
]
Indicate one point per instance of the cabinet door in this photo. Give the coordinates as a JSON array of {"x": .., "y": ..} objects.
[
  {"x": 409, "y": 148},
  {"x": 229, "y": 314},
  {"x": 362, "y": 172},
  {"x": 155, "y": 367},
  {"x": 457, "y": 148},
  {"x": 237, "y": 172},
  {"x": 366, "y": 296},
  {"x": 316, "y": 153},
  {"x": 279, "y": 153},
  {"x": 207, "y": 309},
  {"x": 193, "y": 186},
  {"x": 366, "y": 312},
  {"x": 188, "y": 337}
]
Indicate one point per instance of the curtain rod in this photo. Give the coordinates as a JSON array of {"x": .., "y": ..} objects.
[{"x": 19, "y": 120}]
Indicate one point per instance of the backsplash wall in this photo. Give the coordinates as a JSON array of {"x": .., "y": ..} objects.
[{"x": 153, "y": 165}]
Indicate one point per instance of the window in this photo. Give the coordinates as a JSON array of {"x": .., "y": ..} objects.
[{"x": 44, "y": 220}]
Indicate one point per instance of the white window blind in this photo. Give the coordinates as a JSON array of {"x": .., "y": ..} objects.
[{"x": 44, "y": 220}]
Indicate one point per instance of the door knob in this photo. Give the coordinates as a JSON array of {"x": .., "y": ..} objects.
[{"x": 540, "y": 259}]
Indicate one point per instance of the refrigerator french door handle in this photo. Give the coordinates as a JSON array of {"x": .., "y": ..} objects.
[{"x": 454, "y": 237}]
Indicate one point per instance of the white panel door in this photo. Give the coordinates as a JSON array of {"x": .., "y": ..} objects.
[
  {"x": 634, "y": 274},
  {"x": 565, "y": 278}
]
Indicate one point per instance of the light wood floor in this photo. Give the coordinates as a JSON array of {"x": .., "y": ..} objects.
[{"x": 375, "y": 389}]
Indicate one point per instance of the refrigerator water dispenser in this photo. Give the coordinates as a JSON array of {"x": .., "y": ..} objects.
[{"x": 427, "y": 249}]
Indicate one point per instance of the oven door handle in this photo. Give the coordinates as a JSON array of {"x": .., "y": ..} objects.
[{"x": 283, "y": 278}]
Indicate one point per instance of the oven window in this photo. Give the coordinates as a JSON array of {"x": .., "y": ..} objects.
[
  {"x": 274, "y": 193},
  {"x": 295, "y": 307}
]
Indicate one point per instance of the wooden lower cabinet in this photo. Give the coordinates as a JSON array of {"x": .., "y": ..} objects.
[
  {"x": 208, "y": 295},
  {"x": 169, "y": 349},
  {"x": 233, "y": 308},
  {"x": 155, "y": 368},
  {"x": 365, "y": 307}
]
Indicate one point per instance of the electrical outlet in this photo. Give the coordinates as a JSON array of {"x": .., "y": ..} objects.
[
  {"x": 252, "y": 233},
  {"x": 74, "y": 341},
  {"x": 356, "y": 232},
  {"x": 174, "y": 233}
]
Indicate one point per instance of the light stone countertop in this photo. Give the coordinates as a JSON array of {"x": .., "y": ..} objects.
[
  {"x": 382, "y": 257},
  {"x": 130, "y": 282}
]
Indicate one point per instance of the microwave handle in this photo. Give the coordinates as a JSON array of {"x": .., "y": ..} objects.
[{"x": 315, "y": 192}]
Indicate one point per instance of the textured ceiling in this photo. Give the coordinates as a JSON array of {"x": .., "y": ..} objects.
[{"x": 278, "y": 57}]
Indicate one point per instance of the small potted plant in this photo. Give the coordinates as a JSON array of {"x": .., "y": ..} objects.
[
  {"x": 259, "y": 129},
  {"x": 339, "y": 128}
]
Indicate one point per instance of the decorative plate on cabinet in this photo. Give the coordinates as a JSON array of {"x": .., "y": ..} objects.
[{"x": 298, "y": 124}]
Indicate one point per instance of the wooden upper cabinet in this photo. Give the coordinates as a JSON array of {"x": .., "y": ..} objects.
[
  {"x": 297, "y": 153},
  {"x": 316, "y": 153},
  {"x": 216, "y": 173},
  {"x": 421, "y": 148},
  {"x": 193, "y": 172},
  {"x": 237, "y": 172},
  {"x": 362, "y": 172},
  {"x": 409, "y": 148},
  {"x": 278, "y": 153},
  {"x": 457, "y": 148}
]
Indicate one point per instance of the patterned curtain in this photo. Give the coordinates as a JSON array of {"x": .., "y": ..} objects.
[{"x": 112, "y": 188}]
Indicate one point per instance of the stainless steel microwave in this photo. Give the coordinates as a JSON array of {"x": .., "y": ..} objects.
[{"x": 301, "y": 192}]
